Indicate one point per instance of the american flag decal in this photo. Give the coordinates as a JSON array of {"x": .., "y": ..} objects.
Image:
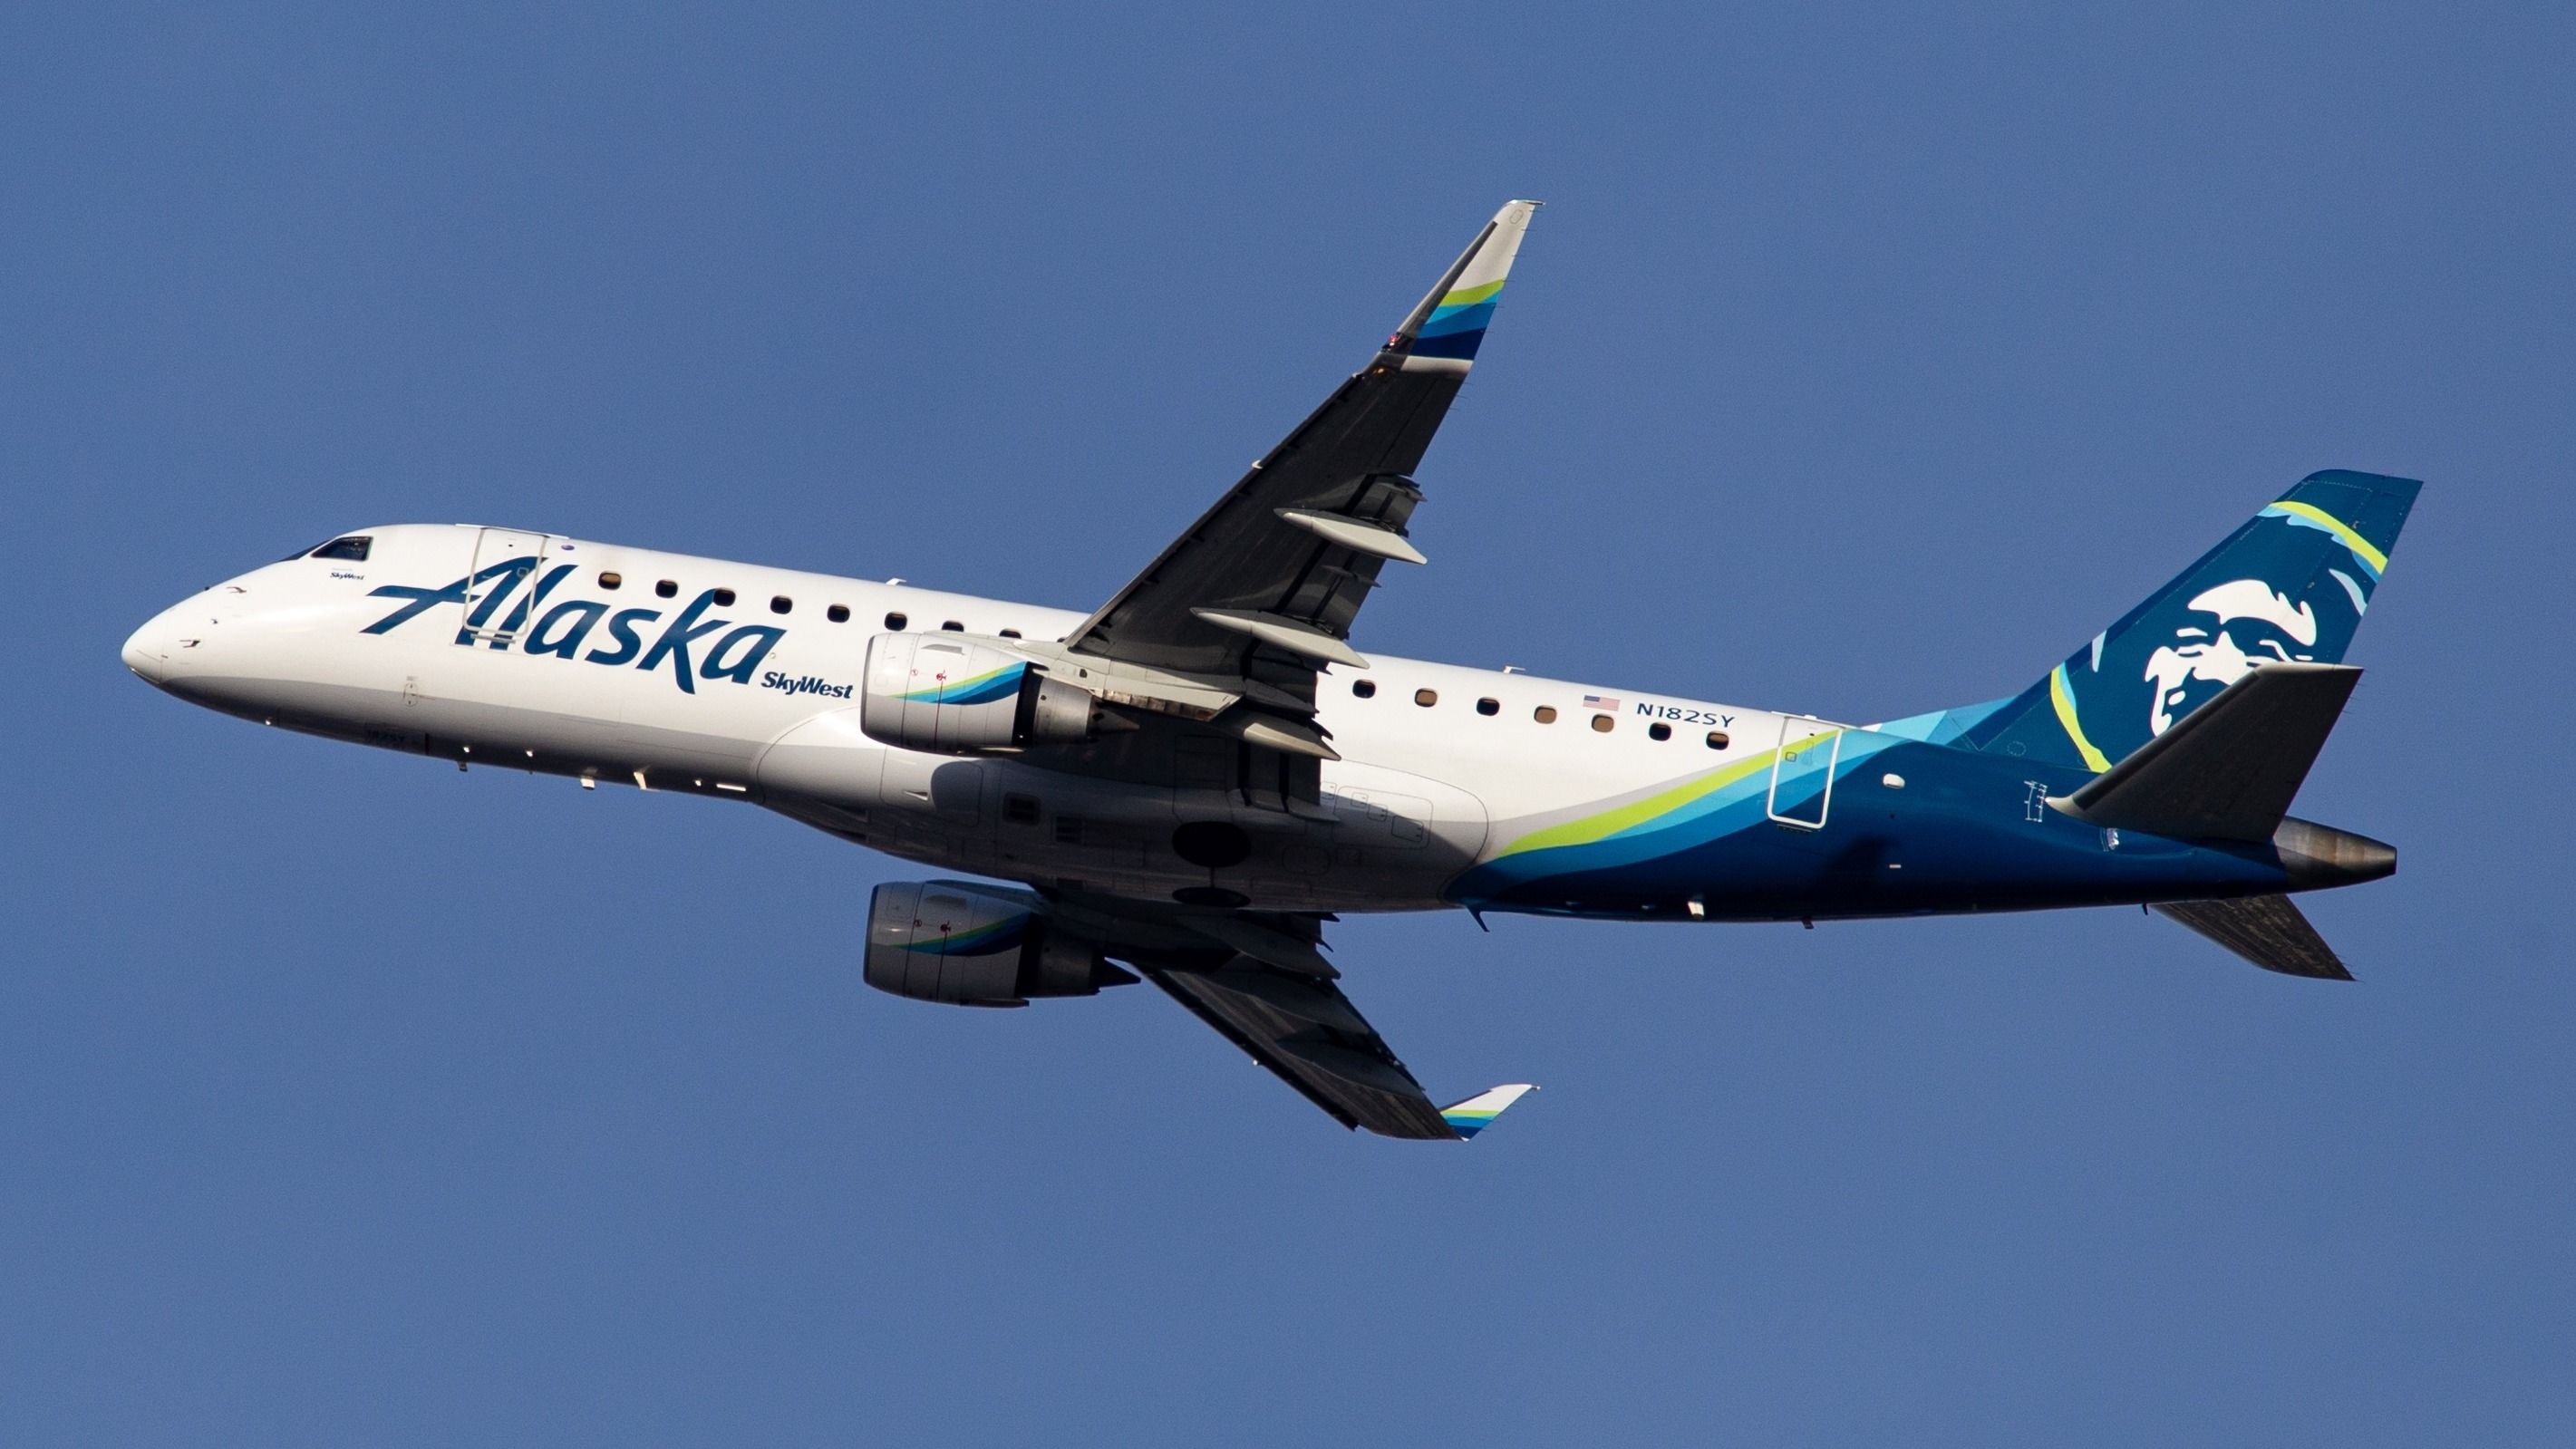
[{"x": 1601, "y": 701}]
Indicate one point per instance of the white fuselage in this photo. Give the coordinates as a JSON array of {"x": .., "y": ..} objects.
[{"x": 1441, "y": 766}]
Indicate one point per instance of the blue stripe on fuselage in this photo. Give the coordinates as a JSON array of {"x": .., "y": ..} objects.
[{"x": 1966, "y": 832}]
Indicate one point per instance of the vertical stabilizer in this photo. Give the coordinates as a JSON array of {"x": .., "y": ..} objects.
[{"x": 2291, "y": 585}]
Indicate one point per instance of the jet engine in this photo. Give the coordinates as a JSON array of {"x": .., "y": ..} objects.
[
  {"x": 954, "y": 696},
  {"x": 973, "y": 945}
]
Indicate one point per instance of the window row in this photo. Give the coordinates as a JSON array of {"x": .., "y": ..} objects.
[
  {"x": 1544, "y": 714},
  {"x": 781, "y": 604}
]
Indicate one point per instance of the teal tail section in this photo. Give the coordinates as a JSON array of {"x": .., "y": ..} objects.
[{"x": 2292, "y": 583}]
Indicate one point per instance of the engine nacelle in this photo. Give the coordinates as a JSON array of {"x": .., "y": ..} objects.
[
  {"x": 954, "y": 696},
  {"x": 972, "y": 945}
]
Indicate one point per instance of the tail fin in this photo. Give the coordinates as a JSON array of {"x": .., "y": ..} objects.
[{"x": 2292, "y": 584}]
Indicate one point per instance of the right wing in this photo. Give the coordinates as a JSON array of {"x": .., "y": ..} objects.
[
  {"x": 1307, "y": 1033},
  {"x": 1261, "y": 980}
]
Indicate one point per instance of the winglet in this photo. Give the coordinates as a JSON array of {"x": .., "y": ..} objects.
[
  {"x": 1478, "y": 1112},
  {"x": 1445, "y": 328}
]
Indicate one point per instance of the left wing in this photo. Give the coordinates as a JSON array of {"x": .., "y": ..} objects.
[
  {"x": 1276, "y": 571},
  {"x": 1208, "y": 659}
]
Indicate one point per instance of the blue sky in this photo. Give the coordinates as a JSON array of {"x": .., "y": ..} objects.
[{"x": 1863, "y": 362}]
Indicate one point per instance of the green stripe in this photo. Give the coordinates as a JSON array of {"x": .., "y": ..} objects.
[
  {"x": 934, "y": 693},
  {"x": 1603, "y": 826},
  {"x": 2061, "y": 693},
  {"x": 2352, "y": 539}
]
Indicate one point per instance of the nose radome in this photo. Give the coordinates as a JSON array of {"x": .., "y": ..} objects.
[{"x": 147, "y": 650}]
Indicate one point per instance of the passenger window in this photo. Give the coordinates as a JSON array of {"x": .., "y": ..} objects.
[
  {"x": 1426, "y": 697},
  {"x": 666, "y": 588},
  {"x": 953, "y": 627},
  {"x": 1020, "y": 809},
  {"x": 1603, "y": 724},
  {"x": 1489, "y": 706},
  {"x": 609, "y": 580},
  {"x": 724, "y": 598},
  {"x": 353, "y": 549},
  {"x": 1656, "y": 731},
  {"x": 781, "y": 604},
  {"x": 1717, "y": 739},
  {"x": 1364, "y": 688},
  {"x": 1544, "y": 714},
  {"x": 1010, "y": 633},
  {"x": 896, "y": 622},
  {"x": 838, "y": 613}
]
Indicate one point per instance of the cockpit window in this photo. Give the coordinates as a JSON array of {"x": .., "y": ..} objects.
[{"x": 352, "y": 548}]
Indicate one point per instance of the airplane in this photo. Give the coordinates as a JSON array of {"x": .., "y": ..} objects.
[{"x": 1191, "y": 781}]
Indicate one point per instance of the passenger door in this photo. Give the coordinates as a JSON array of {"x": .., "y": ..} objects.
[{"x": 496, "y": 609}]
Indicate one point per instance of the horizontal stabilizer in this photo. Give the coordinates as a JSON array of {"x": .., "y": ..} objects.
[
  {"x": 2228, "y": 770},
  {"x": 1479, "y": 1111},
  {"x": 2269, "y": 931}
]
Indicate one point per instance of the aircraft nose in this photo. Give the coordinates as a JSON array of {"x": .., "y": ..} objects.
[
  {"x": 147, "y": 650},
  {"x": 140, "y": 655}
]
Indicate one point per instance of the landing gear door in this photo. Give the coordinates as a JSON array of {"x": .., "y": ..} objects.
[
  {"x": 498, "y": 585},
  {"x": 1802, "y": 772}
]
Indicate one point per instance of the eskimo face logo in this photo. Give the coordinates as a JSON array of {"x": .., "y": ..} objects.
[
  {"x": 562, "y": 630},
  {"x": 2251, "y": 625}
]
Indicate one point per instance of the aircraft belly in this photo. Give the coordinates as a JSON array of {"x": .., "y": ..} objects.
[
  {"x": 1384, "y": 841},
  {"x": 825, "y": 758}
]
